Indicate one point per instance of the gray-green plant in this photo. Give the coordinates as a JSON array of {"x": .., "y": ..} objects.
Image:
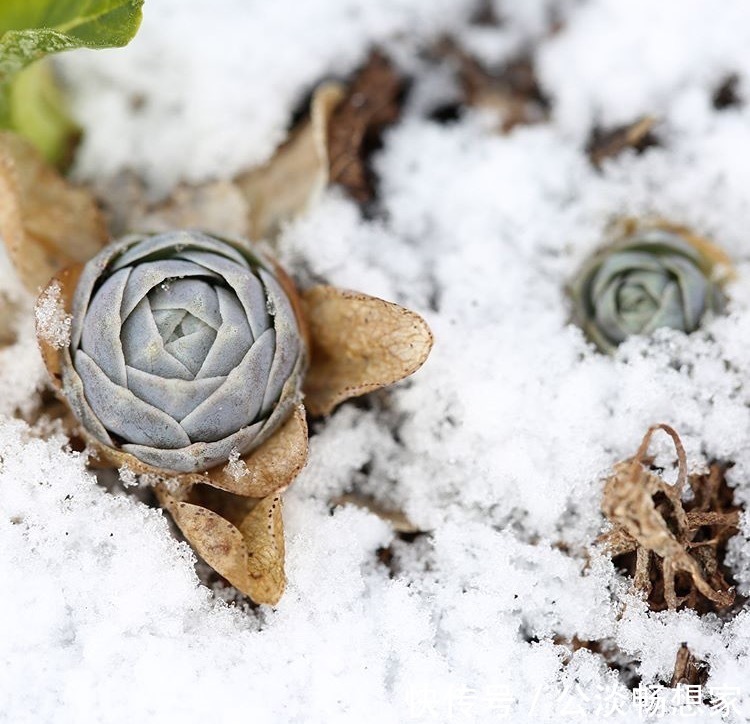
[
  {"x": 184, "y": 349},
  {"x": 654, "y": 278}
]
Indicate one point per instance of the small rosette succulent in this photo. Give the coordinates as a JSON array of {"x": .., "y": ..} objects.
[
  {"x": 657, "y": 277},
  {"x": 183, "y": 348}
]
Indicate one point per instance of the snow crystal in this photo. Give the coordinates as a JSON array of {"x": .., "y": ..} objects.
[
  {"x": 53, "y": 323},
  {"x": 128, "y": 477},
  {"x": 235, "y": 467}
]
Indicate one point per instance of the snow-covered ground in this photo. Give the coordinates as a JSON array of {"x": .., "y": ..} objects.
[{"x": 497, "y": 448}]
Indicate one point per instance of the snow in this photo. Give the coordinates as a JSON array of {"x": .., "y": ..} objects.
[
  {"x": 497, "y": 447},
  {"x": 53, "y": 324},
  {"x": 215, "y": 87}
]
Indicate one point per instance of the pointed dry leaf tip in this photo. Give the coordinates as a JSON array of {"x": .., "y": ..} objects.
[
  {"x": 297, "y": 173},
  {"x": 240, "y": 538},
  {"x": 658, "y": 276},
  {"x": 183, "y": 347},
  {"x": 45, "y": 222},
  {"x": 359, "y": 344},
  {"x": 52, "y": 321}
]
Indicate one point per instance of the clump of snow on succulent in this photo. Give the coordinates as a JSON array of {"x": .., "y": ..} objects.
[
  {"x": 53, "y": 322},
  {"x": 128, "y": 477},
  {"x": 235, "y": 467}
]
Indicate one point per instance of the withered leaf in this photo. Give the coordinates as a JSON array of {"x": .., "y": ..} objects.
[
  {"x": 297, "y": 173},
  {"x": 270, "y": 467},
  {"x": 45, "y": 222},
  {"x": 672, "y": 546},
  {"x": 511, "y": 91},
  {"x": 359, "y": 344},
  {"x": 687, "y": 669},
  {"x": 371, "y": 103},
  {"x": 217, "y": 207},
  {"x": 608, "y": 144},
  {"x": 240, "y": 538},
  {"x": 396, "y": 518}
]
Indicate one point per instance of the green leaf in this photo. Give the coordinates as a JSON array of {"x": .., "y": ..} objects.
[
  {"x": 30, "y": 103},
  {"x": 38, "y": 110}
]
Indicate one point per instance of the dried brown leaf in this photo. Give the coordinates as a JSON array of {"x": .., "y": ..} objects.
[
  {"x": 397, "y": 519},
  {"x": 240, "y": 538},
  {"x": 511, "y": 91},
  {"x": 217, "y": 207},
  {"x": 297, "y": 173},
  {"x": 617, "y": 541},
  {"x": 649, "y": 512},
  {"x": 64, "y": 282},
  {"x": 359, "y": 344},
  {"x": 727, "y": 94},
  {"x": 371, "y": 103},
  {"x": 688, "y": 671},
  {"x": 637, "y": 135},
  {"x": 45, "y": 222}
]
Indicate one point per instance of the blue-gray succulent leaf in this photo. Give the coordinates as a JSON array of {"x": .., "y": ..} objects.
[
  {"x": 650, "y": 280},
  {"x": 184, "y": 349}
]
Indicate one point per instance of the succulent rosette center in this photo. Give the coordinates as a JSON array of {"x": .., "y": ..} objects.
[
  {"x": 652, "y": 279},
  {"x": 184, "y": 349}
]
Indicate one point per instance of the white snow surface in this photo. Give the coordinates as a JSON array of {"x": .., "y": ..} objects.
[{"x": 497, "y": 448}]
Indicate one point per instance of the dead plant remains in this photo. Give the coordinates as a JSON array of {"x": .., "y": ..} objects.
[{"x": 673, "y": 548}]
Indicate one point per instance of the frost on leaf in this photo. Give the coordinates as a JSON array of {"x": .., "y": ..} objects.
[
  {"x": 128, "y": 477},
  {"x": 53, "y": 323}
]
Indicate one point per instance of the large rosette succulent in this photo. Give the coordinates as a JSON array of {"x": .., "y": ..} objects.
[
  {"x": 184, "y": 349},
  {"x": 654, "y": 277}
]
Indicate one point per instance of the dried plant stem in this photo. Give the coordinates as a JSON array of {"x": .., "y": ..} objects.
[{"x": 650, "y": 520}]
